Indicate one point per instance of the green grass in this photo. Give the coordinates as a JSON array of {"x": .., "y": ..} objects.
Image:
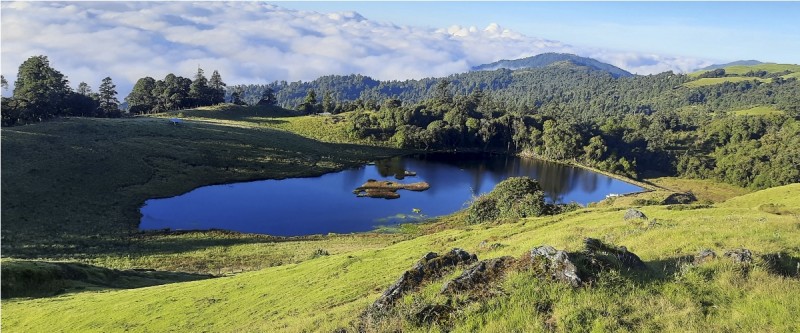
[
  {"x": 769, "y": 68},
  {"x": 710, "y": 81},
  {"x": 73, "y": 187},
  {"x": 742, "y": 70},
  {"x": 326, "y": 293},
  {"x": 61, "y": 203},
  {"x": 40, "y": 279},
  {"x": 763, "y": 110},
  {"x": 331, "y": 129},
  {"x": 703, "y": 189}
]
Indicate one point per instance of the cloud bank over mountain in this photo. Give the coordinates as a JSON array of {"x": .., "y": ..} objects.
[{"x": 251, "y": 42}]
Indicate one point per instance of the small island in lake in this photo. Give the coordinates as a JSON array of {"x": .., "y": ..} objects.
[{"x": 387, "y": 189}]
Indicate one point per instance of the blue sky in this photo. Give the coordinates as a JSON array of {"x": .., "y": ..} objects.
[
  {"x": 726, "y": 31},
  {"x": 260, "y": 42}
]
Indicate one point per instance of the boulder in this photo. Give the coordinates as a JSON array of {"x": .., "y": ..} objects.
[
  {"x": 632, "y": 214},
  {"x": 479, "y": 275},
  {"x": 679, "y": 199},
  {"x": 740, "y": 256},
  {"x": 430, "y": 266},
  {"x": 556, "y": 264},
  {"x": 627, "y": 258},
  {"x": 704, "y": 257}
]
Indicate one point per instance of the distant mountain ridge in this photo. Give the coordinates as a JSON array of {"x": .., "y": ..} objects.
[
  {"x": 734, "y": 63},
  {"x": 547, "y": 59}
]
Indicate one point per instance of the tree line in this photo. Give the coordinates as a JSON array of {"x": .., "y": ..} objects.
[
  {"x": 749, "y": 151},
  {"x": 175, "y": 92},
  {"x": 42, "y": 92}
]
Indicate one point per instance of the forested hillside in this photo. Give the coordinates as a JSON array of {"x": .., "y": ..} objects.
[{"x": 567, "y": 112}]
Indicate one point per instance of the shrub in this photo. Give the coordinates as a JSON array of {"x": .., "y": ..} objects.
[
  {"x": 514, "y": 197},
  {"x": 483, "y": 209}
]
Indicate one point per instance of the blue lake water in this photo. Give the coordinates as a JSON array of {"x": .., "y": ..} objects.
[{"x": 325, "y": 204}]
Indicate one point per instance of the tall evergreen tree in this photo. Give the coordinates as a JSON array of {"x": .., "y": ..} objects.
[
  {"x": 84, "y": 89},
  {"x": 310, "y": 103},
  {"x": 108, "y": 97},
  {"x": 217, "y": 88},
  {"x": 199, "y": 90},
  {"x": 267, "y": 97},
  {"x": 327, "y": 102}
]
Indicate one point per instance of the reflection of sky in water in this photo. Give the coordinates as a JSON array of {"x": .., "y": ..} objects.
[{"x": 302, "y": 206}]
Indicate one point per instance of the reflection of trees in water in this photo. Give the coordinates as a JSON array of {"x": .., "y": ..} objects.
[
  {"x": 557, "y": 180},
  {"x": 394, "y": 167},
  {"x": 353, "y": 177}
]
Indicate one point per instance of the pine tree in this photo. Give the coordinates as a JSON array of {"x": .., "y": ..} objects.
[
  {"x": 217, "y": 88},
  {"x": 267, "y": 97},
  {"x": 309, "y": 105},
  {"x": 108, "y": 97},
  {"x": 199, "y": 91},
  {"x": 84, "y": 89},
  {"x": 327, "y": 103}
]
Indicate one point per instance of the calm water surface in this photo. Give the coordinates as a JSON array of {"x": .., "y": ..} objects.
[{"x": 319, "y": 205}]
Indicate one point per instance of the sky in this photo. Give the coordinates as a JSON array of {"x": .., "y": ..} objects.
[{"x": 259, "y": 42}]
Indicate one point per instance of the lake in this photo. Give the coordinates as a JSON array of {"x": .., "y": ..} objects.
[{"x": 327, "y": 204}]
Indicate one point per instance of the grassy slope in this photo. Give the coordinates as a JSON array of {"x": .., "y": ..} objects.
[
  {"x": 763, "y": 110},
  {"x": 741, "y": 70},
  {"x": 275, "y": 118},
  {"x": 329, "y": 292},
  {"x": 46, "y": 165},
  {"x": 23, "y": 278}
]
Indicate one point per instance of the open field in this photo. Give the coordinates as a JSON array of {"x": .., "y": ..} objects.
[
  {"x": 322, "y": 128},
  {"x": 73, "y": 187},
  {"x": 763, "y": 110},
  {"x": 329, "y": 292},
  {"x": 710, "y": 81},
  {"x": 769, "y": 68},
  {"x": 742, "y": 70}
]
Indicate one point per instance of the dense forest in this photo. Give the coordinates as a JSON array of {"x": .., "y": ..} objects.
[{"x": 566, "y": 112}]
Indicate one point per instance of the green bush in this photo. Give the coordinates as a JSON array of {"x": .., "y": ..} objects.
[
  {"x": 483, "y": 209},
  {"x": 514, "y": 197}
]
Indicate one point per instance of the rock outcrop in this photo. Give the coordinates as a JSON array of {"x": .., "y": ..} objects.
[
  {"x": 431, "y": 266},
  {"x": 556, "y": 264},
  {"x": 479, "y": 276},
  {"x": 679, "y": 198},
  {"x": 704, "y": 257},
  {"x": 626, "y": 258},
  {"x": 740, "y": 256},
  {"x": 632, "y": 214}
]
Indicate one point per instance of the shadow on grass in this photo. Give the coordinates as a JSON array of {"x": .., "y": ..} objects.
[{"x": 44, "y": 279}]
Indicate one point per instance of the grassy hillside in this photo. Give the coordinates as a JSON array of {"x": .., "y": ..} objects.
[
  {"x": 762, "y": 110},
  {"x": 322, "y": 128},
  {"x": 710, "y": 81},
  {"x": 741, "y": 70},
  {"x": 74, "y": 186},
  {"x": 329, "y": 292}
]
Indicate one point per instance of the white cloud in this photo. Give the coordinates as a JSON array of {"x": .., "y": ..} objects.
[{"x": 251, "y": 42}]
